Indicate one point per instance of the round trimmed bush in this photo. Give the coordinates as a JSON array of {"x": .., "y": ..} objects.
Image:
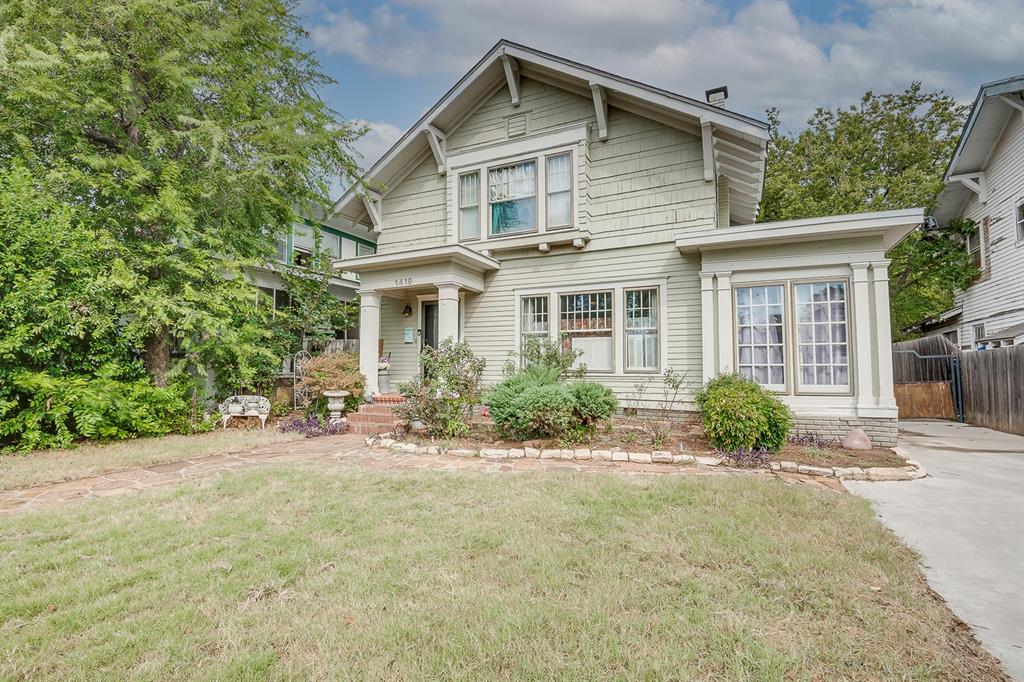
[
  {"x": 593, "y": 402},
  {"x": 740, "y": 414}
]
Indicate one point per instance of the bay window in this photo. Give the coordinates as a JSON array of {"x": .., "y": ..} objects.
[
  {"x": 642, "y": 329},
  {"x": 512, "y": 194},
  {"x": 469, "y": 206},
  {"x": 760, "y": 324},
  {"x": 821, "y": 335},
  {"x": 559, "y": 189},
  {"x": 585, "y": 325}
]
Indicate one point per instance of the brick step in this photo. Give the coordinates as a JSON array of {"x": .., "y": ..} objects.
[
  {"x": 369, "y": 429},
  {"x": 360, "y": 418},
  {"x": 388, "y": 398},
  {"x": 375, "y": 409}
]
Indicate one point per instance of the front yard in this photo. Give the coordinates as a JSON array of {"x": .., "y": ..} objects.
[{"x": 302, "y": 571}]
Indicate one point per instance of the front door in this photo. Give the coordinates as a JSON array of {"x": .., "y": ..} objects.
[{"x": 430, "y": 323}]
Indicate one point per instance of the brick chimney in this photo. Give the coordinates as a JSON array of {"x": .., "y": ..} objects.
[{"x": 716, "y": 96}]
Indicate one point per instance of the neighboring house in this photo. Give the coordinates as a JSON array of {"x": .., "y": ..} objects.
[
  {"x": 541, "y": 197},
  {"x": 985, "y": 182},
  {"x": 338, "y": 239}
]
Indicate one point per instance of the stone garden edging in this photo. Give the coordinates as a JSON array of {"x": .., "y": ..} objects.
[{"x": 912, "y": 471}]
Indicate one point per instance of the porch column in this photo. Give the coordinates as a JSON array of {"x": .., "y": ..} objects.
[
  {"x": 447, "y": 311},
  {"x": 369, "y": 338},
  {"x": 707, "y": 324},
  {"x": 863, "y": 340},
  {"x": 883, "y": 333},
  {"x": 725, "y": 331}
]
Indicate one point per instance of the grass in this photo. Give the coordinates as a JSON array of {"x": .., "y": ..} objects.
[
  {"x": 49, "y": 466},
  {"x": 301, "y": 572}
]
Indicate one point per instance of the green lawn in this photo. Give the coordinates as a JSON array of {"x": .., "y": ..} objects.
[
  {"x": 299, "y": 571},
  {"x": 89, "y": 459}
]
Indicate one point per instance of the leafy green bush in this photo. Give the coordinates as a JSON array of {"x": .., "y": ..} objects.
[
  {"x": 43, "y": 411},
  {"x": 444, "y": 395},
  {"x": 534, "y": 403},
  {"x": 738, "y": 414},
  {"x": 548, "y": 355}
]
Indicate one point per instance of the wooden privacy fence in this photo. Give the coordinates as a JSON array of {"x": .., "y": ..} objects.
[
  {"x": 926, "y": 378},
  {"x": 993, "y": 388}
]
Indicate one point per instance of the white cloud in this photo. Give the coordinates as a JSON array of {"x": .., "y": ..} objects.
[
  {"x": 379, "y": 138},
  {"x": 766, "y": 55}
]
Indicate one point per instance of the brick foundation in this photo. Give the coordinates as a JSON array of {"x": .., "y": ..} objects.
[{"x": 881, "y": 431}]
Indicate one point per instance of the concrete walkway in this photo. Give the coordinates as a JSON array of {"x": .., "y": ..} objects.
[{"x": 967, "y": 521}]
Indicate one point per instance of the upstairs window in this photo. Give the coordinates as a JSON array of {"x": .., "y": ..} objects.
[
  {"x": 559, "y": 189},
  {"x": 974, "y": 246},
  {"x": 469, "y": 206},
  {"x": 512, "y": 193},
  {"x": 1020, "y": 220}
]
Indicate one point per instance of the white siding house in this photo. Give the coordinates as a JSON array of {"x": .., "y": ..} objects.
[
  {"x": 541, "y": 197},
  {"x": 985, "y": 182}
]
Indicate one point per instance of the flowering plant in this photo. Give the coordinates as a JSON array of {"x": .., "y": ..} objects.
[
  {"x": 313, "y": 426},
  {"x": 384, "y": 362}
]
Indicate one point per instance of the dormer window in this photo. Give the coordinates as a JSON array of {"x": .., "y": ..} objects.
[{"x": 512, "y": 193}]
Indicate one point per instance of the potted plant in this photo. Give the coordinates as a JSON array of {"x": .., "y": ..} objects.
[{"x": 383, "y": 373}]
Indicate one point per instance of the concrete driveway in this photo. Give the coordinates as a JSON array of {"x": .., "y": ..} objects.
[{"x": 967, "y": 521}]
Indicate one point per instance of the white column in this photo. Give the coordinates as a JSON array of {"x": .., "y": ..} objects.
[
  {"x": 863, "y": 342},
  {"x": 707, "y": 324},
  {"x": 883, "y": 333},
  {"x": 369, "y": 338},
  {"x": 725, "y": 332},
  {"x": 447, "y": 312}
]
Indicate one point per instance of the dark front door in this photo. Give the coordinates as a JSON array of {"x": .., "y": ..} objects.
[{"x": 430, "y": 324}]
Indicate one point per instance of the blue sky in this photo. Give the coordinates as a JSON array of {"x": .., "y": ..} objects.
[{"x": 393, "y": 60}]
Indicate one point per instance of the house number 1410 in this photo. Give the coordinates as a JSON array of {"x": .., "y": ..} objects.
[{"x": 403, "y": 281}]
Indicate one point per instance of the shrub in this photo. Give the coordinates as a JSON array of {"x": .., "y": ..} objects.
[
  {"x": 740, "y": 415},
  {"x": 334, "y": 372},
  {"x": 444, "y": 395},
  {"x": 533, "y": 403},
  {"x": 548, "y": 355}
]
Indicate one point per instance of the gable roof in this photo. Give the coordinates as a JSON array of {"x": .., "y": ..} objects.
[
  {"x": 984, "y": 127},
  {"x": 738, "y": 142}
]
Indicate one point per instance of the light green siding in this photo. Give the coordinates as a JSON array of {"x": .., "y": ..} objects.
[
  {"x": 404, "y": 361},
  {"x": 414, "y": 211}
]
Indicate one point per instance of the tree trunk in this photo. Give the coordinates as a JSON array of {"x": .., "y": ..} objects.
[{"x": 157, "y": 356}]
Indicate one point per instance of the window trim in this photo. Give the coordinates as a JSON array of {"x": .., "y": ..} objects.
[
  {"x": 458, "y": 206},
  {"x": 788, "y": 352},
  {"x": 981, "y": 246},
  {"x": 1018, "y": 216},
  {"x": 612, "y": 330},
  {"x": 538, "y": 156},
  {"x": 547, "y": 194},
  {"x": 975, "y": 337},
  {"x": 851, "y": 377},
  {"x": 618, "y": 317},
  {"x": 625, "y": 331}
]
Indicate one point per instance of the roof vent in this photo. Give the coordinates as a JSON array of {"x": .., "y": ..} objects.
[{"x": 716, "y": 96}]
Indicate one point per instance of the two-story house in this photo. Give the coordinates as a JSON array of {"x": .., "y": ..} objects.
[
  {"x": 985, "y": 183},
  {"x": 545, "y": 198}
]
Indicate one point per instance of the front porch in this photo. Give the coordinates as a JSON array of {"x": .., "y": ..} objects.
[{"x": 412, "y": 299}]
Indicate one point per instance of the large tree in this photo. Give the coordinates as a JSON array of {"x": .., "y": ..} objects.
[
  {"x": 886, "y": 152},
  {"x": 186, "y": 133}
]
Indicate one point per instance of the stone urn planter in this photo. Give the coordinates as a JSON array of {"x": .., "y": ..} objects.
[{"x": 335, "y": 404}]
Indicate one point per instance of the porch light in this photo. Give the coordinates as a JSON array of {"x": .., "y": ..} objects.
[{"x": 407, "y": 311}]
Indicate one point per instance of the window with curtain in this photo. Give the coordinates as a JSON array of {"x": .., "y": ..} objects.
[
  {"x": 821, "y": 334},
  {"x": 585, "y": 324},
  {"x": 512, "y": 193},
  {"x": 559, "y": 189},
  {"x": 469, "y": 206},
  {"x": 533, "y": 321},
  {"x": 642, "y": 329},
  {"x": 760, "y": 320}
]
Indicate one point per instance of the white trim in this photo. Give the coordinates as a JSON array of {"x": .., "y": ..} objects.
[
  {"x": 438, "y": 145},
  {"x": 432, "y": 254},
  {"x": 617, "y": 289},
  {"x": 499, "y": 152},
  {"x": 511, "y": 68},
  {"x": 600, "y": 110},
  {"x": 707, "y": 147},
  {"x": 976, "y": 182}
]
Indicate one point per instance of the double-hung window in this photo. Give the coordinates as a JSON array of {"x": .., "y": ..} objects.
[
  {"x": 559, "y": 190},
  {"x": 823, "y": 357},
  {"x": 760, "y": 334},
  {"x": 469, "y": 206},
  {"x": 642, "y": 329},
  {"x": 974, "y": 247},
  {"x": 1020, "y": 220},
  {"x": 533, "y": 321},
  {"x": 585, "y": 324},
  {"x": 512, "y": 195}
]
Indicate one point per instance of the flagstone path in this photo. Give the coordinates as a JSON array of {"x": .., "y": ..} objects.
[{"x": 334, "y": 451}]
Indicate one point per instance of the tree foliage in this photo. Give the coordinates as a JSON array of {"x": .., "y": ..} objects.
[
  {"x": 888, "y": 151},
  {"x": 151, "y": 151}
]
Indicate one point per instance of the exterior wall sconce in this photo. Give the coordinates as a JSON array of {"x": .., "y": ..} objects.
[{"x": 407, "y": 311}]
